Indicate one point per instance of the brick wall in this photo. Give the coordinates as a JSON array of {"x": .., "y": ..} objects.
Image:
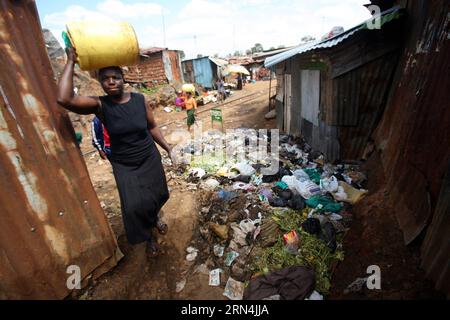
[{"x": 149, "y": 71}]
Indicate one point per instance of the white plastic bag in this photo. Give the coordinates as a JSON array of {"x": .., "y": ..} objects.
[
  {"x": 340, "y": 195},
  {"x": 292, "y": 182},
  {"x": 244, "y": 169},
  {"x": 308, "y": 189},
  {"x": 329, "y": 184},
  {"x": 301, "y": 175},
  {"x": 211, "y": 184}
]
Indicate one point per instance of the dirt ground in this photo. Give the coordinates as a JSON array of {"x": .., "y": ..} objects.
[{"x": 374, "y": 237}]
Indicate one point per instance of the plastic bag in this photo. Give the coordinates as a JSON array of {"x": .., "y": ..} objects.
[
  {"x": 301, "y": 175},
  {"x": 291, "y": 242},
  {"x": 244, "y": 169},
  {"x": 329, "y": 184},
  {"x": 328, "y": 204},
  {"x": 308, "y": 189},
  {"x": 292, "y": 183},
  {"x": 211, "y": 184},
  {"x": 353, "y": 195}
]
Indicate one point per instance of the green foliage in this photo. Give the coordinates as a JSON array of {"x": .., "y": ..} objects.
[{"x": 312, "y": 252}]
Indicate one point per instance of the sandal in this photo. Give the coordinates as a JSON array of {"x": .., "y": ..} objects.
[
  {"x": 162, "y": 227},
  {"x": 152, "y": 249}
]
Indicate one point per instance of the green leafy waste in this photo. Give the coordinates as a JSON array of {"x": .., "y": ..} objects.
[
  {"x": 208, "y": 162},
  {"x": 312, "y": 251}
]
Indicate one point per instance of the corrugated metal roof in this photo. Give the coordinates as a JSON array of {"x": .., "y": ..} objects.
[
  {"x": 386, "y": 17},
  {"x": 219, "y": 62},
  {"x": 152, "y": 50},
  {"x": 51, "y": 217}
]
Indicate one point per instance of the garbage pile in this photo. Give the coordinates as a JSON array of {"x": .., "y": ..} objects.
[{"x": 254, "y": 226}]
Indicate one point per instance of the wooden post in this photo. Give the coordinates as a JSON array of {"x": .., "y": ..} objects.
[{"x": 270, "y": 87}]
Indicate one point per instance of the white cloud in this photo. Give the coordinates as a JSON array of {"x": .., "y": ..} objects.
[
  {"x": 73, "y": 13},
  {"x": 117, "y": 8}
]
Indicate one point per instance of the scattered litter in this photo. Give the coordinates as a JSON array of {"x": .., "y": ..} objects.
[
  {"x": 218, "y": 250},
  {"x": 214, "y": 277},
  {"x": 253, "y": 224},
  {"x": 244, "y": 169},
  {"x": 274, "y": 297},
  {"x": 181, "y": 285},
  {"x": 271, "y": 115},
  {"x": 353, "y": 195},
  {"x": 231, "y": 256},
  {"x": 211, "y": 184},
  {"x": 315, "y": 296},
  {"x": 203, "y": 269},
  {"x": 329, "y": 184},
  {"x": 168, "y": 109},
  {"x": 220, "y": 230},
  {"x": 191, "y": 256},
  {"x": 226, "y": 195},
  {"x": 291, "y": 242},
  {"x": 356, "y": 286},
  {"x": 234, "y": 290},
  {"x": 327, "y": 204},
  {"x": 197, "y": 173}
]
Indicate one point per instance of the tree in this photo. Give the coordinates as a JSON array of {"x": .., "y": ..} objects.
[
  {"x": 237, "y": 53},
  {"x": 272, "y": 48},
  {"x": 257, "y": 48},
  {"x": 200, "y": 56},
  {"x": 182, "y": 55},
  {"x": 248, "y": 52},
  {"x": 282, "y": 46},
  {"x": 216, "y": 55}
]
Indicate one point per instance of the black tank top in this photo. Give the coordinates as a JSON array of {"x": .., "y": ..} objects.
[{"x": 128, "y": 128}]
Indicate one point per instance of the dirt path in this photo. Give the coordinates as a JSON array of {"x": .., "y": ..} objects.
[{"x": 136, "y": 276}]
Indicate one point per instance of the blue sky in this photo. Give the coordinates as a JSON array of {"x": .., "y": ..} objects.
[{"x": 211, "y": 27}]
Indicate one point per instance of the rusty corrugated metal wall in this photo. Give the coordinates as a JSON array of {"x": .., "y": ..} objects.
[
  {"x": 50, "y": 215},
  {"x": 413, "y": 137},
  {"x": 372, "y": 83}
]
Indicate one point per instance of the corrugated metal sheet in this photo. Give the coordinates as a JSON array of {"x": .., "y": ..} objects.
[
  {"x": 175, "y": 64},
  {"x": 203, "y": 72},
  {"x": 387, "y": 16},
  {"x": 219, "y": 62},
  {"x": 188, "y": 71},
  {"x": 436, "y": 244},
  {"x": 152, "y": 50},
  {"x": 413, "y": 137},
  {"x": 51, "y": 217},
  {"x": 372, "y": 83}
]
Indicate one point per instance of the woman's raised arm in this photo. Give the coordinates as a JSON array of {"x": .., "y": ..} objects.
[{"x": 66, "y": 96}]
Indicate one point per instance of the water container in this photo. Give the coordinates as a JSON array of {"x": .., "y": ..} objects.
[
  {"x": 103, "y": 44},
  {"x": 188, "y": 87}
]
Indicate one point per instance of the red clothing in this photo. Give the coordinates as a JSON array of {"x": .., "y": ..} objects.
[{"x": 106, "y": 138}]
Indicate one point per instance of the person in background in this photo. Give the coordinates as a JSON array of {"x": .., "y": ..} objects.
[
  {"x": 100, "y": 138},
  {"x": 179, "y": 101},
  {"x": 191, "y": 106},
  {"x": 239, "y": 82},
  {"x": 220, "y": 84}
]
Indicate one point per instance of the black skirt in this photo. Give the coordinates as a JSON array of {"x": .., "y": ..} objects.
[{"x": 143, "y": 192}]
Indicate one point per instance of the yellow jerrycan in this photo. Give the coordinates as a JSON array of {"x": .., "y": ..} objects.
[
  {"x": 103, "y": 44},
  {"x": 188, "y": 87}
]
